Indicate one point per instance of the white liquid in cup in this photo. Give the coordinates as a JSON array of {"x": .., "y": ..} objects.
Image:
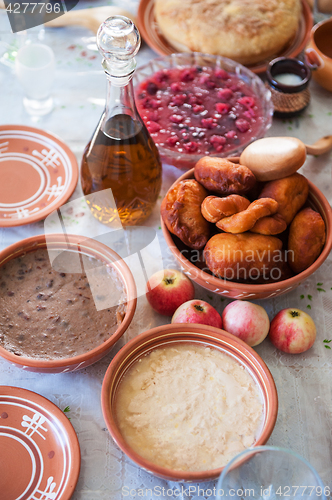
[
  {"x": 288, "y": 79},
  {"x": 35, "y": 69}
]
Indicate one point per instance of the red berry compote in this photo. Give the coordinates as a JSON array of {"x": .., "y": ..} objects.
[{"x": 199, "y": 110}]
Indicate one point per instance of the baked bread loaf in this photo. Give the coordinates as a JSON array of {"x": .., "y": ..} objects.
[{"x": 247, "y": 31}]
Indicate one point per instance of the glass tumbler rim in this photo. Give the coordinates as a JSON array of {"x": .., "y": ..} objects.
[
  {"x": 256, "y": 449},
  {"x": 45, "y": 47}
]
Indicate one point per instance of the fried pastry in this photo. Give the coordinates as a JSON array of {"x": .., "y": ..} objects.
[
  {"x": 279, "y": 272},
  {"x": 245, "y": 220},
  {"x": 181, "y": 212},
  {"x": 242, "y": 256},
  {"x": 275, "y": 224},
  {"x": 223, "y": 177},
  {"x": 290, "y": 192},
  {"x": 307, "y": 234},
  {"x": 215, "y": 208}
]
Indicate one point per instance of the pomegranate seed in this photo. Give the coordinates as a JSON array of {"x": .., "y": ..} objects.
[
  {"x": 146, "y": 102},
  {"x": 153, "y": 116},
  {"x": 179, "y": 99},
  {"x": 218, "y": 139},
  {"x": 221, "y": 73},
  {"x": 162, "y": 75},
  {"x": 206, "y": 80},
  {"x": 222, "y": 108},
  {"x": 153, "y": 127},
  {"x": 225, "y": 94},
  {"x": 176, "y": 118},
  {"x": 197, "y": 108},
  {"x": 154, "y": 103},
  {"x": 218, "y": 142},
  {"x": 176, "y": 86},
  {"x": 172, "y": 140},
  {"x": 231, "y": 134},
  {"x": 191, "y": 147},
  {"x": 247, "y": 101},
  {"x": 208, "y": 123},
  {"x": 242, "y": 125},
  {"x": 250, "y": 113},
  {"x": 187, "y": 75}
]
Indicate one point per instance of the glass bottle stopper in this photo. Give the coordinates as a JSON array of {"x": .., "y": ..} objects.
[{"x": 118, "y": 41}]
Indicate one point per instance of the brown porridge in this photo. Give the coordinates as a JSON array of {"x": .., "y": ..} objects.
[{"x": 48, "y": 314}]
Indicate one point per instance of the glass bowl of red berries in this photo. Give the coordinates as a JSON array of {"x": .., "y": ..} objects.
[{"x": 197, "y": 104}]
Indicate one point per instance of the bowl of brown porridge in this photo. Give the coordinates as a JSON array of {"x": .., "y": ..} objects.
[
  {"x": 182, "y": 400},
  {"x": 64, "y": 302}
]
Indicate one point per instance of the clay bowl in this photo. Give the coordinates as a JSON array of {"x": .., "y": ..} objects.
[
  {"x": 189, "y": 333},
  {"x": 234, "y": 290},
  {"x": 80, "y": 245}
]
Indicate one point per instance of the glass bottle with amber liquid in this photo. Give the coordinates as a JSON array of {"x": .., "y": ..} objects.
[{"x": 121, "y": 159}]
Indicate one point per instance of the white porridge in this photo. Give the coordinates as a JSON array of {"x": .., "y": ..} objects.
[{"x": 188, "y": 407}]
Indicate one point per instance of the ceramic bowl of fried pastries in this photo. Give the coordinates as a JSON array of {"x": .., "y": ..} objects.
[{"x": 241, "y": 238}]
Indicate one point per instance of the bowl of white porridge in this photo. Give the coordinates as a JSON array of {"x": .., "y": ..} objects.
[{"x": 182, "y": 400}]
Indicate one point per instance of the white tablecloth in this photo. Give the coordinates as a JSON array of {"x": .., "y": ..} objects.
[{"x": 304, "y": 382}]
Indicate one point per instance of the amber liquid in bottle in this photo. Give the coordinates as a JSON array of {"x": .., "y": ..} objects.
[
  {"x": 122, "y": 157},
  {"x": 121, "y": 168}
]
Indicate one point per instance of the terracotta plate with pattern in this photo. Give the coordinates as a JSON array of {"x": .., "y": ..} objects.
[
  {"x": 38, "y": 174},
  {"x": 39, "y": 450},
  {"x": 149, "y": 29}
]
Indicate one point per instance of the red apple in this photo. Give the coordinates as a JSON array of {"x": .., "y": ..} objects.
[
  {"x": 166, "y": 290},
  {"x": 292, "y": 331},
  {"x": 197, "y": 311},
  {"x": 247, "y": 321}
]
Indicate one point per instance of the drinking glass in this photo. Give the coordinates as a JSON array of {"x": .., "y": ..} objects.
[
  {"x": 270, "y": 473},
  {"x": 35, "y": 69}
]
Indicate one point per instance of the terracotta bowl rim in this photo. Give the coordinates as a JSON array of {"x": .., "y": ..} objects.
[
  {"x": 187, "y": 332},
  {"x": 39, "y": 241},
  {"x": 264, "y": 287}
]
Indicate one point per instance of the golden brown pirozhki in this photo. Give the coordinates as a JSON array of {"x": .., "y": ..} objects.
[
  {"x": 274, "y": 224},
  {"x": 215, "y": 208},
  {"x": 181, "y": 212},
  {"x": 223, "y": 177},
  {"x": 306, "y": 239},
  {"x": 290, "y": 192},
  {"x": 242, "y": 256},
  {"x": 279, "y": 272},
  {"x": 245, "y": 220}
]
